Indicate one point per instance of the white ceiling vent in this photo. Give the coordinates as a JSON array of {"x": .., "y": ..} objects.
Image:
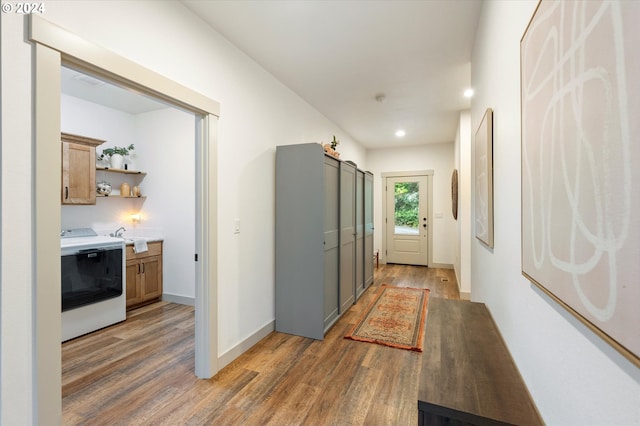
[{"x": 88, "y": 80}]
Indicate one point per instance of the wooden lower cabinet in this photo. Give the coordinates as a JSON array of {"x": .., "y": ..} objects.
[{"x": 144, "y": 275}]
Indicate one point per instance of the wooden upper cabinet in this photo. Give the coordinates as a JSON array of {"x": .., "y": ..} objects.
[{"x": 79, "y": 169}]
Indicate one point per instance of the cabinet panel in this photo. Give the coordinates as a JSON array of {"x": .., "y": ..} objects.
[
  {"x": 359, "y": 259},
  {"x": 368, "y": 229},
  {"x": 300, "y": 240},
  {"x": 347, "y": 235},
  {"x": 152, "y": 270},
  {"x": 133, "y": 283},
  {"x": 331, "y": 241},
  {"x": 154, "y": 249}
]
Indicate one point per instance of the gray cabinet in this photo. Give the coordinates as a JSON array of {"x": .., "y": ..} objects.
[
  {"x": 307, "y": 240},
  {"x": 317, "y": 257}
]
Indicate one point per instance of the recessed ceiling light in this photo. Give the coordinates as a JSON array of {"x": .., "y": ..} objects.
[
  {"x": 400, "y": 133},
  {"x": 468, "y": 93}
]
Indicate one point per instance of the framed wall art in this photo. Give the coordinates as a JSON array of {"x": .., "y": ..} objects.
[
  {"x": 484, "y": 179},
  {"x": 454, "y": 194},
  {"x": 580, "y": 64}
]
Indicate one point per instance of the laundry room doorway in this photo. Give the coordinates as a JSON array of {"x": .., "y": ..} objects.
[{"x": 54, "y": 47}]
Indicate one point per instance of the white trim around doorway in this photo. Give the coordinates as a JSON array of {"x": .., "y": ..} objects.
[
  {"x": 54, "y": 47},
  {"x": 429, "y": 175}
]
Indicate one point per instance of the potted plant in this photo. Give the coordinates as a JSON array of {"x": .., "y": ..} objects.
[
  {"x": 117, "y": 155},
  {"x": 330, "y": 148}
]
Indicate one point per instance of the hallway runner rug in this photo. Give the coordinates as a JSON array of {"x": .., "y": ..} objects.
[{"x": 395, "y": 318}]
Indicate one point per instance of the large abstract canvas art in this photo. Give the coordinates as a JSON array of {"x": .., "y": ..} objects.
[
  {"x": 580, "y": 88},
  {"x": 484, "y": 179}
]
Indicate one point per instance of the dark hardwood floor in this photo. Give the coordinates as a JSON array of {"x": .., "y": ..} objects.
[{"x": 141, "y": 372}]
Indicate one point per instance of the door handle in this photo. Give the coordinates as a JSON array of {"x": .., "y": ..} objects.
[{"x": 66, "y": 192}]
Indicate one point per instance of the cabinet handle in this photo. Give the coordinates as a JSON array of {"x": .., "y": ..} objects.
[
  {"x": 138, "y": 269},
  {"x": 66, "y": 192},
  {"x": 143, "y": 268}
]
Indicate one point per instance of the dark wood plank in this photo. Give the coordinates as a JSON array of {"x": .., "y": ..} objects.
[{"x": 467, "y": 373}]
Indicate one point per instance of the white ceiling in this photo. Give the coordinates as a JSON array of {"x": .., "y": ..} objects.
[
  {"x": 92, "y": 89},
  {"x": 338, "y": 55}
]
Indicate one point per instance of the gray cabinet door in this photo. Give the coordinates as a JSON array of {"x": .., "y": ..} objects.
[
  {"x": 360, "y": 287},
  {"x": 331, "y": 240},
  {"x": 368, "y": 229},
  {"x": 299, "y": 241},
  {"x": 347, "y": 235}
]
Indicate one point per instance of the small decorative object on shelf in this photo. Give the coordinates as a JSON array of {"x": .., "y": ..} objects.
[
  {"x": 330, "y": 148},
  {"x": 125, "y": 190},
  {"x": 102, "y": 161},
  {"x": 104, "y": 188}
]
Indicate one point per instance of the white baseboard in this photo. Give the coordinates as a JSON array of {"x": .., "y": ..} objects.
[
  {"x": 233, "y": 353},
  {"x": 182, "y": 300},
  {"x": 441, "y": 265},
  {"x": 465, "y": 295}
]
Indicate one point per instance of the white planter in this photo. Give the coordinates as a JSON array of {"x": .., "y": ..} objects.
[{"x": 117, "y": 161}]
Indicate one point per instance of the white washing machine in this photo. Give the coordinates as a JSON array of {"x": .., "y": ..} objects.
[{"x": 93, "y": 281}]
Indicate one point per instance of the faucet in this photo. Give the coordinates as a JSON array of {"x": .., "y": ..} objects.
[{"x": 117, "y": 232}]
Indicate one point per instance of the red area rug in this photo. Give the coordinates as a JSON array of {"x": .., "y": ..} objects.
[{"x": 395, "y": 318}]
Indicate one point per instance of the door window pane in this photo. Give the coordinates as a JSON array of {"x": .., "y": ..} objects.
[{"x": 406, "y": 208}]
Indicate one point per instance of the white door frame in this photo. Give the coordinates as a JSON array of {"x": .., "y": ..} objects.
[
  {"x": 429, "y": 175},
  {"x": 54, "y": 46}
]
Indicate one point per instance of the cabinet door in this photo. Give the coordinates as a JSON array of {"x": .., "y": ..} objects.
[
  {"x": 359, "y": 260},
  {"x": 133, "y": 283},
  {"x": 347, "y": 235},
  {"x": 78, "y": 174},
  {"x": 331, "y": 240},
  {"x": 368, "y": 229},
  {"x": 152, "y": 277}
]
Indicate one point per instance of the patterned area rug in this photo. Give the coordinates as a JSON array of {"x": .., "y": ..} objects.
[{"x": 395, "y": 318}]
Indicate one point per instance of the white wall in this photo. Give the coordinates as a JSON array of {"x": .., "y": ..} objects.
[
  {"x": 462, "y": 154},
  {"x": 167, "y": 153},
  {"x": 16, "y": 270},
  {"x": 440, "y": 159},
  {"x": 257, "y": 113},
  {"x": 574, "y": 377}
]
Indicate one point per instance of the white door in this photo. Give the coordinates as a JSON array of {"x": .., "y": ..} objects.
[{"x": 406, "y": 220}]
